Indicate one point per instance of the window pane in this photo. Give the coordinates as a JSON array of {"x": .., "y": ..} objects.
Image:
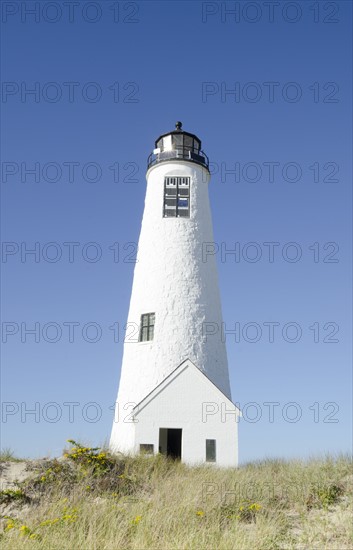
[
  {"x": 167, "y": 143},
  {"x": 170, "y": 202},
  {"x": 146, "y": 448},
  {"x": 183, "y": 213},
  {"x": 188, "y": 142},
  {"x": 178, "y": 140},
  {"x": 196, "y": 146},
  {"x": 183, "y": 202},
  {"x": 183, "y": 192},
  {"x": 144, "y": 320},
  {"x": 170, "y": 213},
  {"x": 210, "y": 450}
]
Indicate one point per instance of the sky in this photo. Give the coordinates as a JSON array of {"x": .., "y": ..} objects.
[{"x": 87, "y": 87}]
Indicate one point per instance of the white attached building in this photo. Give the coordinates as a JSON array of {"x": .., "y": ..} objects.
[{"x": 174, "y": 394}]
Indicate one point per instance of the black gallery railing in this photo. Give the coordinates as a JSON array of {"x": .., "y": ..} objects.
[{"x": 181, "y": 154}]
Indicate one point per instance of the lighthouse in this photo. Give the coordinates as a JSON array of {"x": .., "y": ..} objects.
[{"x": 174, "y": 393}]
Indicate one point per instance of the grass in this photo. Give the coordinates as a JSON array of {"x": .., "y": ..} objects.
[
  {"x": 92, "y": 500},
  {"x": 7, "y": 455}
]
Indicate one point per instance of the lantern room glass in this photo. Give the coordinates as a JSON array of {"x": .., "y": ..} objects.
[
  {"x": 178, "y": 142},
  {"x": 178, "y": 145}
]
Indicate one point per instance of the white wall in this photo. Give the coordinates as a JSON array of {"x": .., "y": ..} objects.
[
  {"x": 172, "y": 280},
  {"x": 180, "y": 405}
]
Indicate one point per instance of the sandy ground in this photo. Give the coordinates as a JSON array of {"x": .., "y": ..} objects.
[{"x": 11, "y": 472}]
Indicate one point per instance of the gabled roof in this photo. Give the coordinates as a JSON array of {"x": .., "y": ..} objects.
[{"x": 187, "y": 363}]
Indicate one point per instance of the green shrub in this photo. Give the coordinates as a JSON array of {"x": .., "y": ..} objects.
[
  {"x": 323, "y": 496},
  {"x": 13, "y": 495}
]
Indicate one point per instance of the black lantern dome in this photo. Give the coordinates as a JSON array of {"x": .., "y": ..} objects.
[{"x": 178, "y": 145}]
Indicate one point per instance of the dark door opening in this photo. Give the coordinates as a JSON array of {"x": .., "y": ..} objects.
[{"x": 170, "y": 442}]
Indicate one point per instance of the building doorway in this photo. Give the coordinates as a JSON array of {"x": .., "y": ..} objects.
[{"x": 170, "y": 442}]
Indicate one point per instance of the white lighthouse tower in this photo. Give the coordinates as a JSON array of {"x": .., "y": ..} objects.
[{"x": 174, "y": 394}]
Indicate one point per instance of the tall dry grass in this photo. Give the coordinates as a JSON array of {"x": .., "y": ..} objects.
[{"x": 94, "y": 501}]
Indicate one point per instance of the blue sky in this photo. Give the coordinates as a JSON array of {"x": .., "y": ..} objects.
[{"x": 269, "y": 94}]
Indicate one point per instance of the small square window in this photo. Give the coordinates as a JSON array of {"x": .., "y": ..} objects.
[
  {"x": 210, "y": 450},
  {"x": 147, "y": 327},
  {"x": 146, "y": 448}
]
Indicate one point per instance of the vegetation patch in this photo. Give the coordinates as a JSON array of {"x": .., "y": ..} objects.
[
  {"x": 7, "y": 455},
  {"x": 90, "y": 499},
  {"x": 13, "y": 495},
  {"x": 324, "y": 496}
]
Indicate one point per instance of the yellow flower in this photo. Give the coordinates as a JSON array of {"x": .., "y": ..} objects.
[
  {"x": 137, "y": 520},
  {"x": 43, "y": 478},
  {"x": 49, "y": 522},
  {"x": 24, "y": 530},
  {"x": 255, "y": 507},
  {"x": 9, "y": 526},
  {"x": 200, "y": 513}
]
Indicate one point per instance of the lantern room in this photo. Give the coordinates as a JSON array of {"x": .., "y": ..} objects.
[{"x": 178, "y": 145}]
